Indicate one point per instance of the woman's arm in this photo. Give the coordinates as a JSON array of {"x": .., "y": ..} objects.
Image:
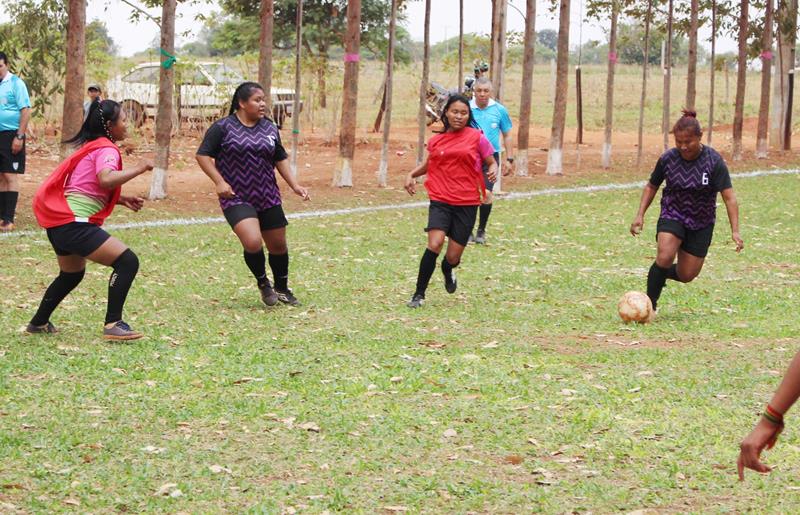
[
  {"x": 283, "y": 168},
  {"x": 410, "y": 184},
  {"x": 765, "y": 434},
  {"x": 206, "y": 163},
  {"x": 110, "y": 179},
  {"x": 648, "y": 194},
  {"x": 732, "y": 206}
]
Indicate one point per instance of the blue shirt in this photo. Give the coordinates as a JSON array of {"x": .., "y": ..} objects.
[
  {"x": 492, "y": 120},
  {"x": 13, "y": 98}
]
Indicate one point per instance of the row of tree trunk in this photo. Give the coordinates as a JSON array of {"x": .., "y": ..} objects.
[{"x": 785, "y": 15}]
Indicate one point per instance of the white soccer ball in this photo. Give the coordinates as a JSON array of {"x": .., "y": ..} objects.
[{"x": 635, "y": 306}]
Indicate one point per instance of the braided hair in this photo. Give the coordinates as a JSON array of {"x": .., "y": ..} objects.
[
  {"x": 102, "y": 113},
  {"x": 243, "y": 92}
]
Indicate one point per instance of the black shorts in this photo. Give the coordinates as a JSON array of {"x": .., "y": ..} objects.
[
  {"x": 81, "y": 238},
  {"x": 694, "y": 242},
  {"x": 456, "y": 221},
  {"x": 270, "y": 218},
  {"x": 11, "y": 163},
  {"x": 490, "y": 185}
]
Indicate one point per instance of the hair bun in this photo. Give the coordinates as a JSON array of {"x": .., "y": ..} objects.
[{"x": 689, "y": 113}]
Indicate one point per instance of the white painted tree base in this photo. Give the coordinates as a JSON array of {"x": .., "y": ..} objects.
[
  {"x": 158, "y": 186},
  {"x": 606, "y": 160},
  {"x": 554, "y": 162},
  {"x": 761, "y": 149},
  {"x": 522, "y": 163},
  {"x": 383, "y": 173},
  {"x": 344, "y": 179}
]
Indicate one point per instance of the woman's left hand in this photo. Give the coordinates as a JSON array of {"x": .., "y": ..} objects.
[
  {"x": 764, "y": 435},
  {"x": 491, "y": 174},
  {"x": 132, "y": 203},
  {"x": 301, "y": 192},
  {"x": 737, "y": 239}
]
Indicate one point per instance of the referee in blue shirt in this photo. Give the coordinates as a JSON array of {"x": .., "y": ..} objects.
[
  {"x": 492, "y": 118},
  {"x": 15, "y": 111}
]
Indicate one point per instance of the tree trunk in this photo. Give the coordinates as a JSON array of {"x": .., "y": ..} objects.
[
  {"x": 711, "y": 97},
  {"x": 496, "y": 69},
  {"x": 691, "y": 75},
  {"x": 555, "y": 154},
  {"x": 343, "y": 176},
  {"x": 612, "y": 62},
  {"x": 766, "y": 76},
  {"x": 298, "y": 51},
  {"x": 322, "y": 72},
  {"x": 423, "y": 85},
  {"x": 460, "y": 46},
  {"x": 166, "y": 89},
  {"x": 741, "y": 77},
  {"x": 786, "y": 22},
  {"x": 667, "y": 79},
  {"x": 383, "y": 171},
  {"x": 265, "y": 51},
  {"x": 523, "y": 135},
  {"x": 644, "y": 82},
  {"x": 75, "y": 72}
]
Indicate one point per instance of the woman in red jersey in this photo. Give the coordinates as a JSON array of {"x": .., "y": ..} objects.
[{"x": 455, "y": 186}]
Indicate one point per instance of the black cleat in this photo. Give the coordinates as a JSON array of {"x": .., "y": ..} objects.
[
  {"x": 416, "y": 301},
  {"x": 287, "y": 297}
]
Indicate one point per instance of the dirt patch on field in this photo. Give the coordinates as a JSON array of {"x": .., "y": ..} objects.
[{"x": 192, "y": 194}]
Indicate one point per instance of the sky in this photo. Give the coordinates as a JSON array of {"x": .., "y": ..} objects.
[{"x": 133, "y": 37}]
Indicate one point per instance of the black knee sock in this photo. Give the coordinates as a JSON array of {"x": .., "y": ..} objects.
[
  {"x": 483, "y": 217},
  {"x": 447, "y": 268},
  {"x": 279, "y": 264},
  {"x": 656, "y": 278},
  {"x": 672, "y": 273},
  {"x": 3, "y": 201},
  {"x": 56, "y": 292},
  {"x": 426, "y": 267},
  {"x": 257, "y": 263},
  {"x": 11, "y": 205},
  {"x": 125, "y": 268}
]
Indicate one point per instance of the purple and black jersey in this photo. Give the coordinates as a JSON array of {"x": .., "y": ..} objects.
[
  {"x": 246, "y": 157},
  {"x": 690, "y": 194}
]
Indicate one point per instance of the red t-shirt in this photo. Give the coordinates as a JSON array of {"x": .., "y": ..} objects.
[{"x": 454, "y": 166}]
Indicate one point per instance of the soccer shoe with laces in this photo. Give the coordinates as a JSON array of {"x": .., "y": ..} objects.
[
  {"x": 287, "y": 297},
  {"x": 47, "y": 328},
  {"x": 268, "y": 295},
  {"x": 120, "y": 331},
  {"x": 416, "y": 301},
  {"x": 480, "y": 238}
]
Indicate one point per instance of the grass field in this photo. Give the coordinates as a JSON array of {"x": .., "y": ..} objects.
[{"x": 522, "y": 392}]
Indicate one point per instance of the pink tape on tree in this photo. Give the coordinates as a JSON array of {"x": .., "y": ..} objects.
[
  {"x": 351, "y": 58},
  {"x": 612, "y": 56},
  {"x": 766, "y": 55}
]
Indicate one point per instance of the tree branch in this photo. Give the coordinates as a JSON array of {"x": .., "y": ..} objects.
[{"x": 142, "y": 11}]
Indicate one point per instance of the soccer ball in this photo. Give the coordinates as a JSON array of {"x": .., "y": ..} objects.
[{"x": 635, "y": 306}]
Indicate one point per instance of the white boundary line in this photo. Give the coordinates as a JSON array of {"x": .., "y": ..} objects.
[{"x": 406, "y": 205}]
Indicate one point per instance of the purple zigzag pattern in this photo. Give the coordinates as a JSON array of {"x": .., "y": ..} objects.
[
  {"x": 245, "y": 162},
  {"x": 686, "y": 199}
]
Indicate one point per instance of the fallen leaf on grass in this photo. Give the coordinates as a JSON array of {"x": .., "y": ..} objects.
[
  {"x": 395, "y": 509},
  {"x": 216, "y": 469},
  {"x": 450, "y": 433},
  {"x": 72, "y": 502},
  {"x": 491, "y": 345},
  {"x": 396, "y": 379},
  {"x": 433, "y": 345},
  {"x": 309, "y": 426},
  {"x": 13, "y": 486},
  {"x": 151, "y": 449},
  {"x": 165, "y": 489},
  {"x": 513, "y": 459}
]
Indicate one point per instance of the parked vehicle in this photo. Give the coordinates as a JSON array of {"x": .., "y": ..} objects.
[{"x": 203, "y": 90}]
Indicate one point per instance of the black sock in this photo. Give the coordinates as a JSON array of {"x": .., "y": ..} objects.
[
  {"x": 483, "y": 217},
  {"x": 426, "y": 267},
  {"x": 656, "y": 278},
  {"x": 11, "y": 206},
  {"x": 672, "y": 273},
  {"x": 447, "y": 268},
  {"x": 279, "y": 263},
  {"x": 125, "y": 268},
  {"x": 3, "y": 197},
  {"x": 56, "y": 292},
  {"x": 257, "y": 263}
]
